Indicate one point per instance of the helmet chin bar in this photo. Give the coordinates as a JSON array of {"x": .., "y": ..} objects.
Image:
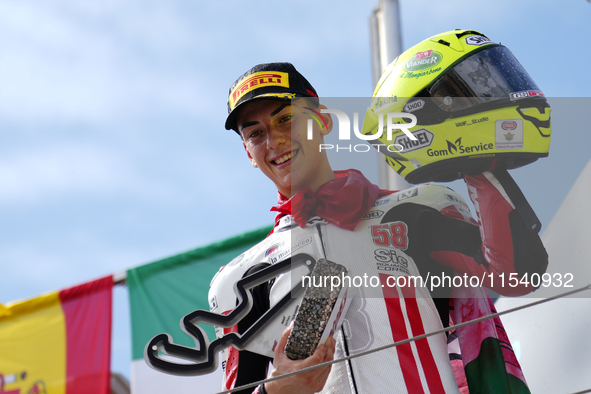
[
  {"x": 541, "y": 106},
  {"x": 203, "y": 358}
]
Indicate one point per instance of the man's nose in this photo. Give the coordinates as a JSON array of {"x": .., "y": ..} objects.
[{"x": 276, "y": 138}]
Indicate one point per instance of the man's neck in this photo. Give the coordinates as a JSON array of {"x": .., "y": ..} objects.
[{"x": 314, "y": 186}]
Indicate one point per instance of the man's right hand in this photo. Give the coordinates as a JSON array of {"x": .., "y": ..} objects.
[{"x": 304, "y": 383}]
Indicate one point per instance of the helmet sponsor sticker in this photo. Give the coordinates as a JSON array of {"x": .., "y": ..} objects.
[
  {"x": 423, "y": 60},
  {"x": 380, "y": 102},
  {"x": 414, "y": 105},
  {"x": 457, "y": 147},
  {"x": 525, "y": 94},
  {"x": 258, "y": 80},
  {"x": 477, "y": 40},
  {"x": 472, "y": 121},
  {"x": 424, "y": 139},
  {"x": 509, "y": 125},
  {"x": 509, "y": 134}
]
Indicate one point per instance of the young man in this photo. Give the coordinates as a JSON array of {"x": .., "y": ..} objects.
[{"x": 427, "y": 231}]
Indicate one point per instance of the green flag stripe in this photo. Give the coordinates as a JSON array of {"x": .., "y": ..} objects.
[
  {"x": 162, "y": 292},
  {"x": 487, "y": 373}
]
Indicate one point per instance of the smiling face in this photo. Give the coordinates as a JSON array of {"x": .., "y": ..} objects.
[{"x": 274, "y": 134}]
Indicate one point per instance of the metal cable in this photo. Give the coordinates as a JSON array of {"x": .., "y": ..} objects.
[{"x": 327, "y": 363}]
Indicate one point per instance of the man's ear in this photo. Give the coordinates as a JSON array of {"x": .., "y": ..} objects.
[
  {"x": 254, "y": 163},
  {"x": 327, "y": 118}
]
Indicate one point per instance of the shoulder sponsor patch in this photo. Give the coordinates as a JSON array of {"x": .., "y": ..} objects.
[
  {"x": 456, "y": 200},
  {"x": 381, "y": 202},
  {"x": 213, "y": 303},
  {"x": 404, "y": 194},
  {"x": 373, "y": 215}
]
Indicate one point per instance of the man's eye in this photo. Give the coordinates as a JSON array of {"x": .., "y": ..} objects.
[
  {"x": 286, "y": 118},
  {"x": 254, "y": 134}
]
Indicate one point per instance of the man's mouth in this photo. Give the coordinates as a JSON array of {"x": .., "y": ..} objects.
[{"x": 284, "y": 158}]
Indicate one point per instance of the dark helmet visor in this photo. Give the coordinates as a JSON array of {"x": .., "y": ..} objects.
[{"x": 482, "y": 78}]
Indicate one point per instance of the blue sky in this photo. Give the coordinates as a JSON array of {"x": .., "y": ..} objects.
[{"x": 112, "y": 147}]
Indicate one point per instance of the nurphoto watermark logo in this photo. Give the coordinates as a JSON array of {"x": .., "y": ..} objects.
[{"x": 345, "y": 130}]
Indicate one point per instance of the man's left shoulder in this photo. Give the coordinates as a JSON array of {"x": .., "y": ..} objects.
[{"x": 432, "y": 195}]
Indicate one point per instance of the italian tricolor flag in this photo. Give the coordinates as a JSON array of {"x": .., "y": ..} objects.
[
  {"x": 58, "y": 343},
  {"x": 161, "y": 293}
]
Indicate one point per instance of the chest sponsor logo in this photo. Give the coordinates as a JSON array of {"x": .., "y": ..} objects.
[
  {"x": 373, "y": 215},
  {"x": 477, "y": 40},
  {"x": 390, "y": 260},
  {"x": 424, "y": 139},
  {"x": 280, "y": 256},
  {"x": 316, "y": 220},
  {"x": 302, "y": 243},
  {"x": 273, "y": 248},
  {"x": 287, "y": 252}
]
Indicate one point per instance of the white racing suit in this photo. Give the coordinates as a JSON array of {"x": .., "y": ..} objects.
[{"x": 424, "y": 232}]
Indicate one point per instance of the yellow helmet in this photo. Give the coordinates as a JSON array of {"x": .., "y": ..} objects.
[{"x": 476, "y": 109}]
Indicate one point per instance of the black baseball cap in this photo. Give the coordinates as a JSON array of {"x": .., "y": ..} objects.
[{"x": 274, "y": 81}]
